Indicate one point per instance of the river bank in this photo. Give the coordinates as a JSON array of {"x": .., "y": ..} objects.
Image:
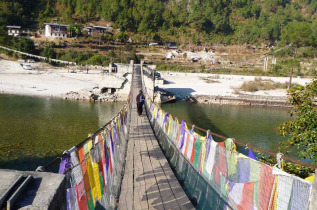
[
  {"x": 224, "y": 89},
  {"x": 47, "y": 81}
]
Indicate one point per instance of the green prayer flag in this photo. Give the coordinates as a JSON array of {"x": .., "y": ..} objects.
[{"x": 197, "y": 150}]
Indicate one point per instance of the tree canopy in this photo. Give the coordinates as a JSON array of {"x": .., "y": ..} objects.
[
  {"x": 232, "y": 21},
  {"x": 301, "y": 129}
]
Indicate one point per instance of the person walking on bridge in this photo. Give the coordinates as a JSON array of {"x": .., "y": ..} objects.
[{"x": 139, "y": 102}]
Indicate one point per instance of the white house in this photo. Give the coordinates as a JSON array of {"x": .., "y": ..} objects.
[
  {"x": 14, "y": 30},
  {"x": 55, "y": 30}
]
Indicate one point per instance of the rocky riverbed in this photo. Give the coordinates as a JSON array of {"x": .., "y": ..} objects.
[{"x": 60, "y": 83}]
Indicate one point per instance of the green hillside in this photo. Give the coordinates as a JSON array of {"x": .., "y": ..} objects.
[{"x": 222, "y": 21}]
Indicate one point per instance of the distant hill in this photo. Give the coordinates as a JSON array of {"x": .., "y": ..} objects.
[{"x": 222, "y": 21}]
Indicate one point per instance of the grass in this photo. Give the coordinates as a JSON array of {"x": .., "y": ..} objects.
[{"x": 261, "y": 84}]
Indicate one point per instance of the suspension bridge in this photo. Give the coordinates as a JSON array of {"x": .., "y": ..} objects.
[{"x": 154, "y": 161}]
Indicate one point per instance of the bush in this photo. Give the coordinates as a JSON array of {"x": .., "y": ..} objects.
[
  {"x": 98, "y": 59},
  {"x": 260, "y": 84},
  {"x": 169, "y": 67},
  {"x": 49, "y": 53},
  {"x": 18, "y": 43},
  {"x": 307, "y": 52}
]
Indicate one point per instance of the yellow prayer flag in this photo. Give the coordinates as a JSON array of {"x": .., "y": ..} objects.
[
  {"x": 89, "y": 144},
  {"x": 203, "y": 152},
  {"x": 310, "y": 178},
  {"x": 97, "y": 179},
  {"x": 169, "y": 127},
  {"x": 240, "y": 155},
  {"x": 91, "y": 178}
]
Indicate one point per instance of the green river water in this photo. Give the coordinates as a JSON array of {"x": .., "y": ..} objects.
[
  {"x": 249, "y": 124},
  {"x": 33, "y": 131}
]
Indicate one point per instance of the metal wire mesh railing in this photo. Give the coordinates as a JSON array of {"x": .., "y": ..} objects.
[
  {"x": 216, "y": 176},
  {"x": 94, "y": 167}
]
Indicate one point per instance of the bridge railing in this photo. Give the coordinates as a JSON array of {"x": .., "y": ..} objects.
[
  {"x": 216, "y": 176},
  {"x": 94, "y": 167},
  {"x": 37, "y": 57}
]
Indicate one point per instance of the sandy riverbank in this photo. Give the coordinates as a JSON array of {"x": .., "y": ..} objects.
[
  {"x": 207, "y": 87},
  {"x": 53, "y": 82}
]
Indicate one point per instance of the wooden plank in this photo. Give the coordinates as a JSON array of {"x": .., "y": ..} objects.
[
  {"x": 153, "y": 196},
  {"x": 122, "y": 199},
  {"x": 148, "y": 181}
]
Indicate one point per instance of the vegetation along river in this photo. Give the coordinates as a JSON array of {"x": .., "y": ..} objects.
[{"x": 33, "y": 131}]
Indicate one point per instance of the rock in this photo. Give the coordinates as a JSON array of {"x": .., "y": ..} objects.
[{"x": 94, "y": 97}]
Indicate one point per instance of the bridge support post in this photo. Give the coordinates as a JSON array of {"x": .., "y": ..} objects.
[{"x": 132, "y": 65}]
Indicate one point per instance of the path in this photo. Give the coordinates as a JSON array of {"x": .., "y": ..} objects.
[{"x": 148, "y": 182}]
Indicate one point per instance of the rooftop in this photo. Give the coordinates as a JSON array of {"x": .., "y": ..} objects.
[
  {"x": 55, "y": 24},
  {"x": 100, "y": 27},
  {"x": 14, "y": 27}
]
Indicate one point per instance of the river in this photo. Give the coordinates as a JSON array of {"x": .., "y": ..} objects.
[
  {"x": 34, "y": 131},
  {"x": 249, "y": 124}
]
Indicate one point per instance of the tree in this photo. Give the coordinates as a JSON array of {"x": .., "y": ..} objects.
[
  {"x": 23, "y": 44},
  {"x": 48, "y": 9},
  {"x": 291, "y": 64},
  {"x": 49, "y": 53},
  {"x": 79, "y": 12},
  {"x": 75, "y": 30},
  {"x": 302, "y": 128},
  {"x": 122, "y": 36},
  {"x": 298, "y": 34}
]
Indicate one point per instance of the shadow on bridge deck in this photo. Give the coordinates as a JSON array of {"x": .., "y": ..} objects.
[{"x": 148, "y": 182}]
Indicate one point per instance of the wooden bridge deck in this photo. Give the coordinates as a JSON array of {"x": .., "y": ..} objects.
[{"x": 148, "y": 182}]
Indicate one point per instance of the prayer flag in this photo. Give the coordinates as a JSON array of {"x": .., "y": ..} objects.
[
  {"x": 251, "y": 155},
  {"x": 169, "y": 126},
  {"x": 300, "y": 194},
  {"x": 211, "y": 157},
  {"x": 90, "y": 201},
  {"x": 182, "y": 135},
  {"x": 97, "y": 179},
  {"x": 190, "y": 145},
  {"x": 265, "y": 186},
  {"x": 165, "y": 123},
  {"x": 71, "y": 199},
  {"x": 235, "y": 192},
  {"x": 203, "y": 154},
  {"x": 83, "y": 165},
  {"x": 91, "y": 178},
  {"x": 243, "y": 168},
  {"x": 108, "y": 159},
  {"x": 64, "y": 164},
  {"x": 81, "y": 197},
  {"x": 185, "y": 147},
  {"x": 284, "y": 191},
  {"x": 247, "y": 196},
  {"x": 89, "y": 145},
  {"x": 195, "y": 155},
  {"x": 104, "y": 173},
  {"x": 111, "y": 149},
  {"x": 222, "y": 159}
]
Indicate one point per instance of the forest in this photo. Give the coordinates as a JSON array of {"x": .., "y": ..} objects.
[{"x": 196, "y": 21}]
